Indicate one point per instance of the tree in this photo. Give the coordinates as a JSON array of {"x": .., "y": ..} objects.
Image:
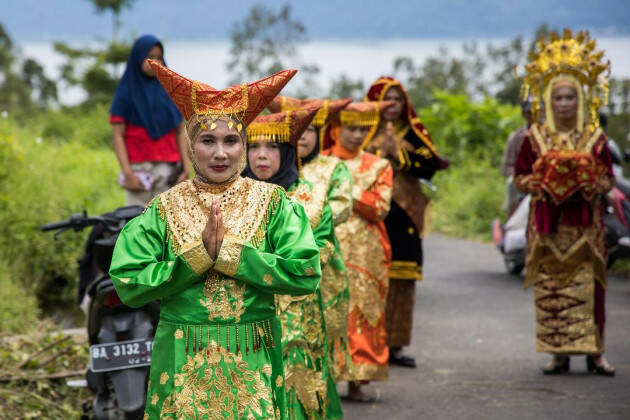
[
  {"x": 93, "y": 69},
  {"x": 23, "y": 85},
  {"x": 115, "y": 7},
  {"x": 344, "y": 87},
  {"x": 265, "y": 42}
]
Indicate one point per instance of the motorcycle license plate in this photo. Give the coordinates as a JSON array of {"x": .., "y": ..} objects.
[{"x": 120, "y": 355}]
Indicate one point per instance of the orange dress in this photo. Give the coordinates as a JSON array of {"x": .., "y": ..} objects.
[{"x": 367, "y": 254}]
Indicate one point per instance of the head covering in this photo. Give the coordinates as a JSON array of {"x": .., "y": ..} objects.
[
  {"x": 572, "y": 60},
  {"x": 202, "y": 105},
  {"x": 365, "y": 114},
  {"x": 140, "y": 99},
  {"x": 328, "y": 111},
  {"x": 284, "y": 128},
  {"x": 377, "y": 92}
]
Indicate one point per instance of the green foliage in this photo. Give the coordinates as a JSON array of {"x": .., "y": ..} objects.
[
  {"x": 19, "y": 311},
  {"x": 345, "y": 87},
  {"x": 472, "y": 135},
  {"x": 47, "y": 180},
  {"x": 265, "y": 42},
  {"x": 24, "y": 87},
  {"x": 93, "y": 69}
]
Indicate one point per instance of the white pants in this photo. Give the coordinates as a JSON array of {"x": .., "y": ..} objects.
[{"x": 161, "y": 172}]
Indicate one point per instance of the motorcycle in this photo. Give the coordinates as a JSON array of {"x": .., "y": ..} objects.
[
  {"x": 510, "y": 238},
  {"x": 120, "y": 337}
]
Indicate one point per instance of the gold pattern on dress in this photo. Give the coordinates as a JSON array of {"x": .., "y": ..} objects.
[
  {"x": 319, "y": 172},
  {"x": 229, "y": 256},
  {"x": 155, "y": 399},
  {"x": 124, "y": 280},
  {"x": 197, "y": 257},
  {"x": 359, "y": 240},
  {"x": 547, "y": 140},
  {"x": 309, "y": 386},
  {"x": 217, "y": 385},
  {"x": 164, "y": 378},
  {"x": 405, "y": 270},
  {"x": 187, "y": 206},
  {"x": 279, "y": 381},
  {"x": 326, "y": 252},
  {"x": 223, "y": 297},
  {"x": 364, "y": 371},
  {"x": 565, "y": 314},
  {"x": 179, "y": 334},
  {"x": 313, "y": 200},
  {"x": 309, "y": 271},
  {"x": 268, "y": 279}
]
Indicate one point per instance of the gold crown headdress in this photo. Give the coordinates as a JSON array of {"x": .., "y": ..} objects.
[{"x": 576, "y": 59}]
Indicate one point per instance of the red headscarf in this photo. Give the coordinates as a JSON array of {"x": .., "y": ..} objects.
[{"x": 377, "y": 93}]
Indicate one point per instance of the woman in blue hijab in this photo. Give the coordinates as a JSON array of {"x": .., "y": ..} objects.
[{"x": 149, "y": 138}]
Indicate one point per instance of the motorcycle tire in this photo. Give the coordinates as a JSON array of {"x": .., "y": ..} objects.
[{"x": 512, "y": 267}]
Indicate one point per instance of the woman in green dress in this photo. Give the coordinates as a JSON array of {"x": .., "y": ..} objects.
[
  {"x": 272, "y": 157},
  {"x": 214, "y": 250},
  {"x": 332, "y": 178}
]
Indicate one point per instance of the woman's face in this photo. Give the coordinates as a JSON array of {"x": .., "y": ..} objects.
[
  {"x": 352, "y": 136},
  {"x": 156, "y": 54},
  {"x": 308, "y": 141},
  {"x": 564, "y": 102},
  {"x": 264, "y": 159},
  {"x": 394, "y": 112},
  {"x": 218, "y": 152}
]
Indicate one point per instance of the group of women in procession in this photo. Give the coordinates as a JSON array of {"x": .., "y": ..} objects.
[{"x": 289, "y": 262}]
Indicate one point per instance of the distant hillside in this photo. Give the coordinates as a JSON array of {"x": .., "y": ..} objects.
[{"x": 33, "y": 20}]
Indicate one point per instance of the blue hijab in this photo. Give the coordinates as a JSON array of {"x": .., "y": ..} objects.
[{"x": 140, "y": 99}]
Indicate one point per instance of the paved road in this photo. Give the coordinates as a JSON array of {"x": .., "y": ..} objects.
[{"x": 474, "y": 342}]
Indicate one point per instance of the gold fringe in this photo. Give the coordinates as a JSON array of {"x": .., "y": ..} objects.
[
  {"x": 370, "y": 118},
  {"x": 322, "y": 114},
  {"x": 269, "y": 132}
]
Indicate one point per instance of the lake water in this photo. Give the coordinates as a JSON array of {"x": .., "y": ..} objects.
[{"x": 365, "y": 60}]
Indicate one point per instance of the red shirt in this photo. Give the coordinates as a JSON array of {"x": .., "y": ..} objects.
[{"x": 142, "y": 148}]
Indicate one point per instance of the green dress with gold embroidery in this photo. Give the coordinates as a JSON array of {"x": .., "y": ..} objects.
[
  {"x": 331, "y": 177},
  {"x": 216, "y": 352},
  {"x": 304, "y": 341}
]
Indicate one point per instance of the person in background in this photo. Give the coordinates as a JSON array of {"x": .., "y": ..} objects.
[
  {"x": 512, "y": 194},
  {"x": 364, "y": 244},
  {"x": 403, "y": 140},
  {"x": 331, "y": 179},
  {"x": 273, "y": 158},
  {"x": 149, "y": 136},
  {"x": 566, "y": 167}
]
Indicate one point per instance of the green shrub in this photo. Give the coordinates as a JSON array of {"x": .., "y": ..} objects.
[
  {"x": 18, "y": 306},
  {"x": 472, "y": 135},
  {"x": 47, "y": 181}
]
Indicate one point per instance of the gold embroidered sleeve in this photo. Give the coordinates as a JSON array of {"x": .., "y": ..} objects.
[
  {"x": 197, "y": 257},
  {"x": 340, "y": 193},
  {"x": 326, "y": 252},
  {"x": 139, "y": 269},
  {"x": 229, "y": 256}
]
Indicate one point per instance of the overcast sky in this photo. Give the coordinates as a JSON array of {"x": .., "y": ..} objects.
[{"x": 48, "y": 20}]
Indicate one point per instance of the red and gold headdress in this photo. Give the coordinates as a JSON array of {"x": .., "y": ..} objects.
[
  {"x": 240, "y": 104},
  {"x": 281, "y": 127},
  {"x": 364, "y": 114},
  {"x": 328, "y": 109},
  {"x": 377, "y": 92},
  {"x": 571, "y": 59}
]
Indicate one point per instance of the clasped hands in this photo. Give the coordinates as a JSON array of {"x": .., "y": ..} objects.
[{"x": 213, "y": 233}]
